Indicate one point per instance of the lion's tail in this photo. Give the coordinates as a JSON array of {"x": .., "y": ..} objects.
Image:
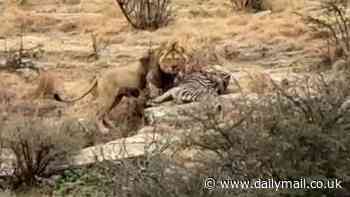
[{"x": 93, "y": 85}]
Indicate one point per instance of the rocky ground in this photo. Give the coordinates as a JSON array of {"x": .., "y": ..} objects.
[
  {"x": 275, "y": 42},
  {"x": 245, "y": 41}
]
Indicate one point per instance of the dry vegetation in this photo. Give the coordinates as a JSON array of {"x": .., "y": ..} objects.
[
  {"x": 295, "y": 128},
  {"x": 36, "y": 146}
]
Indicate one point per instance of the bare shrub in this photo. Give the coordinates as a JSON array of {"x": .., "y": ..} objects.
[
  {"x": 21, "y": 58},
  {"x": 146, "y": 14},
  {"x": 334, "y": 23},
  {"x": 294, "y": 133},
  {"x": 21, "y": 2},
  {"x": 36, "y": 147},
  {"x": 244, "y": 5},
  {"x": 137, "y": 177},
  {"x": 98, "y": 45}
]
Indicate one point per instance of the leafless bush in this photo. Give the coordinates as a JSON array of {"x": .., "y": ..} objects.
[
  {"x": 335, "y": 22},
  {"x": 21, "y": 58},
  {"x": 247, "y": 5},
  {"x": 293, "y": 133},
  {"x": 146, "y": 14},
  {"x": 21, "y": 2},
  {"x": 98, "y": 45},
  {"x": 36, "y": 147}
]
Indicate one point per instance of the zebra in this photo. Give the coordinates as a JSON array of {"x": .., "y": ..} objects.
[{"x": 196, "y": 86}]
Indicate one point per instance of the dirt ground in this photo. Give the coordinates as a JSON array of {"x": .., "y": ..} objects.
[{"x": 276, "y": 41}]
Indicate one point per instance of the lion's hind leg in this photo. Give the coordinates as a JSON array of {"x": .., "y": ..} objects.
[
  {"x": 102, "y": 119},
  {"x": 106, "y": 105}
]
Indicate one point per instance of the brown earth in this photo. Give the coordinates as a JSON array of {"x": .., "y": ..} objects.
[
  {"x": 250, "y": 45},
  {"x": 244, "y": 41}
]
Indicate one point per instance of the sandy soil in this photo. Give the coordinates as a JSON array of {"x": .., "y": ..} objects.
[{"x": 253, "y": 42}]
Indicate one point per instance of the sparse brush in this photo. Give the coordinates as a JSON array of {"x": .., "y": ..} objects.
[
  {"x": 150, "y": 175},
  {"x": 146, "y": 14},
  {"x": 21, "y": 58},
  {"x": 21, "y": 2},
  {"x": 36, "y": 147},
  {"x": 335, "y": 22},
  {"x": 295, "y": 132},
  {"x": 244, "y": 5}
]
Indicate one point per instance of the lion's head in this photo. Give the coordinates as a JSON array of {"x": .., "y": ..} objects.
[{"x": 172, "y": 57}]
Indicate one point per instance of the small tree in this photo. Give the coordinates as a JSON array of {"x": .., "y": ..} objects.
[{"x": 146, "y": 14}]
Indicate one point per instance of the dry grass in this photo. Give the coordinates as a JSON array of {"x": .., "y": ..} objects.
[
  {"x": 106, "y": 18},
  {"x": 16, "y": 18},
  {"x": 102, "y": 24},
  {"x": 283, "y": 25},
  {"x": 259, "y": 83},
  {"x": 48, "y": 84},
  {"x": 282, "y": 5},
  {"x": 107, "y": 8},
  {"x": 199, "y": 26}
]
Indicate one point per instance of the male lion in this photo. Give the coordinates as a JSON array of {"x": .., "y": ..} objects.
[
  {"x": 126, "y": 81},
  {"x": 172, "y": 59}
]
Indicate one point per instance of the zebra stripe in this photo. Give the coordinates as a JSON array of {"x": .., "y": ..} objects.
[{"x": 197, "y": 86}]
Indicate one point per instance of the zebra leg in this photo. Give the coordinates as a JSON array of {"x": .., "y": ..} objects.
[{"x": 170, "y": 94}]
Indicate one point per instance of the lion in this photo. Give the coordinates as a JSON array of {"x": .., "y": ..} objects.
[
  {"x": 128, "y": 116},
  {"x": 48, "y": 86},
  {"x": 129, "y": 81}
]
